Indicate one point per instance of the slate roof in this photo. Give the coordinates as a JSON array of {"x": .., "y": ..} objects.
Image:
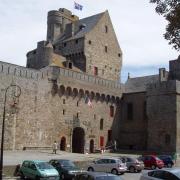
[
  {"x": 138, "y": 84},
  {"x": 89, "y": 23}
]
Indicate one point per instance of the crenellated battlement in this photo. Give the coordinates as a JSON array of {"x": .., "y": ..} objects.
[
  {"x": 164, "y": 87},
  {"x": 55, "y": 72}
]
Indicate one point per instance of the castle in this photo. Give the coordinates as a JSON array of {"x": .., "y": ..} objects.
[{"x": 71, "y": 92}]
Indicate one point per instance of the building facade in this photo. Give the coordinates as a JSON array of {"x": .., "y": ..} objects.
[{"x": 71, "y": 92}]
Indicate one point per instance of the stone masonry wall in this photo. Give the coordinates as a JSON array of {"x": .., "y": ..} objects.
[
  {"x": 162, "y": 118},
  {"x": 135, "y": 129},
  {"x": 40, "y": 120},
  {"x": 108, "y": 63}
]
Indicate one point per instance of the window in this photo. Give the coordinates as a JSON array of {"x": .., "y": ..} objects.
[
  {"x": 101, "y": 124},
  {"x": 167, "y": 139},
  {"x": 70, "y": 65},
  {"x": 130, "y": 111},
  {"x": 106, "y": 29},
  {"x": 64, "y": 111},
  {"x": 64, "y": 101},
  {"x": 90, "y": 42},
  {"x": 94, "y": 116},
  {"x": 106, "y": 49},
  {"x": 77, "y": 103},
  {"x": 65, "y": 44},
  {"x": 111, "y": 111},
  {"x": 77, "y": 115},
  {"x": 95, "y": 71},
  {"x": 76, "y": 41},
  {"x": 119, "y": 54}
]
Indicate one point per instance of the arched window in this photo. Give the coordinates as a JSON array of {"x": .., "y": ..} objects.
[{"x": 101, "y": 124}]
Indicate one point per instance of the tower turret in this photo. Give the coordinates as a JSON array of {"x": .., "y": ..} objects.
[{"x": 57, "y": 21}]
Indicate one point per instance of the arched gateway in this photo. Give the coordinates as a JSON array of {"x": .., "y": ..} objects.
[{"x": 78, "y": 140}]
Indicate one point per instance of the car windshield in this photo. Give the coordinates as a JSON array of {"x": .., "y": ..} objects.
[
  {"x": 44, "y": 165},
  {"x": 67, "y": 163},
  {"x": 157, "y": 158},
  {"x": 108, "y": 178}
]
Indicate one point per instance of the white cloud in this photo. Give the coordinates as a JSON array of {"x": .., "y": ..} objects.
[{"x": 138, "y": 28}]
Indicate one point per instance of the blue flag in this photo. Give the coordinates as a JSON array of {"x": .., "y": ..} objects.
[{"x": 78, "y": 6}]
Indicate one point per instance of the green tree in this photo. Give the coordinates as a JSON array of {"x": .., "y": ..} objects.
[{"x": 170, "y": 9}]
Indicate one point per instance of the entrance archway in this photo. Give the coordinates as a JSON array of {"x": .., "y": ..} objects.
[
  {"x": 91, "y": 148},
  {"x": 63, "y": 144},
  {"x": 78, "y": 140}
]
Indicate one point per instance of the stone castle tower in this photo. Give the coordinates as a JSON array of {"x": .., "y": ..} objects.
[
  {"x": 88, "y": 45},
  {"x": 70, "y": 87}
]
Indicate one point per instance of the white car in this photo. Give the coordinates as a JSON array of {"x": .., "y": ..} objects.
[
  {"x": 169, "y": 174},
  {"x": 112, "y": 165}
]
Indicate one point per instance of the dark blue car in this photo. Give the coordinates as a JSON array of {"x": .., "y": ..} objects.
[{"x": 168, "y": 162}]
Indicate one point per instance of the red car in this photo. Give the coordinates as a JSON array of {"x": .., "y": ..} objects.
[{"x": 152, "y": 161}]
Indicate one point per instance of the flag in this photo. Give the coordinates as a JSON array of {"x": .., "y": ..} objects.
[
  {"x": 88, "y": 101},
  {"x": 78, "y": 6}
]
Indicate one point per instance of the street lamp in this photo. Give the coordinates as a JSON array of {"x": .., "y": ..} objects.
[{"x": 15, "y": 95}]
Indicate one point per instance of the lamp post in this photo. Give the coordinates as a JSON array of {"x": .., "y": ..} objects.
[{"x": 15, "y": 95}]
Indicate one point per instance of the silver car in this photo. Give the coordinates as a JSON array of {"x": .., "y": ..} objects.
[
  {"x": 133, "y": 164},
  {"x": 169, "y": 174},
  {"x": 112, "y": 165}
]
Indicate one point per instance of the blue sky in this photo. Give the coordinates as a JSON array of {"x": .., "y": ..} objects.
[{"x": 138, "y": 28}]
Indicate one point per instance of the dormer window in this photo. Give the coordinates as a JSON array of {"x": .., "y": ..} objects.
[{"x": 82, "y": 26}]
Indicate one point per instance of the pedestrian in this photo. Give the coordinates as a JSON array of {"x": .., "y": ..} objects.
[
  {"x": 174, "y": 157},
  {"x": 55, "y": 147}
]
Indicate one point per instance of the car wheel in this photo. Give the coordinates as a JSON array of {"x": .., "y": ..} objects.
[
  {"x": 114, "y": 171},
  {"x": 153, "y": 167},
  {"x": 169, "y": 165},
  {"x": 132, "y": 169},
  {"x": 22, "y": 175},
  {"x": 62, "y": 176},
  {"x": 37, "y": 178},
  {"x": 90, "y": 169}
]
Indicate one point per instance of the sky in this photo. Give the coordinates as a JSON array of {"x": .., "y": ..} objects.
[{"x": 138, "y": 27}]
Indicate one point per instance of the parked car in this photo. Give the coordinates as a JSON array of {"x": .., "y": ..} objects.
[
  {"x": 66, "y": 168},
  {"x": 133, "y": 164},
  {"x": 37, "y": 169},
  {"x": 97, "y": 176},
  {"x": 169, "y": 174},
  {"x": 151, "y": 161},
  {"x": 168, "y": 162},
  {"x": 112, "y": 165}
]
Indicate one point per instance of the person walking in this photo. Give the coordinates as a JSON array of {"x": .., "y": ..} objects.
[{"x": 55, "y": 147}]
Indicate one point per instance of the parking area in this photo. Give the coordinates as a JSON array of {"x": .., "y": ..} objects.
[{"x": 12, "y": 158}]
